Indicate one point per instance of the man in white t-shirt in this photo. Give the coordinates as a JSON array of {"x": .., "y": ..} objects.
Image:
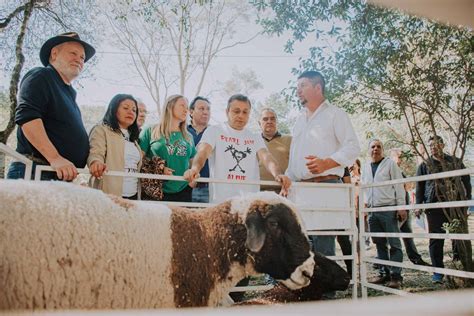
[{"x": 233, "y": 152}]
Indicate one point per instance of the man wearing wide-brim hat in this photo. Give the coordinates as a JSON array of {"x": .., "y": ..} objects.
[{"x": 51, "y": 131}]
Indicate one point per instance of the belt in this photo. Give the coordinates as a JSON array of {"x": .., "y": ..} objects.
[
  {"x": 322, "y": 178},
  {"x": 202, "y": 185},
  {"x": 38, "y": 160}
]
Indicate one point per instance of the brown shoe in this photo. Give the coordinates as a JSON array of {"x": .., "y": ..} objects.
[
  {"x": 395, "y": 284},
  {"x": 379, "y": 279}
]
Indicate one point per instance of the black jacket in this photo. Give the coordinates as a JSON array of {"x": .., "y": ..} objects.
[{"x": 435, "y": 190}]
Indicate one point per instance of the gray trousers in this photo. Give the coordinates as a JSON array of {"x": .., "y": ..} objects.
[{"x": 386, "y": 222}]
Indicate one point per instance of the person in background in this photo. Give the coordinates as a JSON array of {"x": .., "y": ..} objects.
[
  {"x": 114, "y": 147},
  {"x": 234, "y": 153},
  {"x": 380, "y": 169},
  {"x": 278, "y": 145},
  {"x": 142, "y": 112},
  {"x": 343, "y": 240},
  {"x": 171, "y": 141},
  {"x": 50, "y": 127},
  {"x": 433, "y": 191},
  {"x": 200, "y": 112},
  {"x": 405, "y": 227},
  {"x": 355, "y": 179}
]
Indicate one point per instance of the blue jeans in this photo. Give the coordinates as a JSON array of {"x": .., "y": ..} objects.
[
  {"x": 386, "y": 222},
  {"x": 17, "y": 171},
  {"x": 325, "y": 245},
  {"x": 410, "y": 246},
  {"x": 201, "y": 195}
]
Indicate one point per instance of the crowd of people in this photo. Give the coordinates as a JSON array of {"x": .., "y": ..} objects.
[{"x": 323, "y": 148}]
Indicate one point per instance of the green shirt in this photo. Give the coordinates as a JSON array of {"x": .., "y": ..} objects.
[{"x": 177, "y": 151}]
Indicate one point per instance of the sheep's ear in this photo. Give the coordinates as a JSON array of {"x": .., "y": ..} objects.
[{"x": 255, "y": 231}]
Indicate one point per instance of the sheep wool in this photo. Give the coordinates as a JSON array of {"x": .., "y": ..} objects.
[
  {"x": 64, "y": 246},
  {"x": 77, "y": 256}
]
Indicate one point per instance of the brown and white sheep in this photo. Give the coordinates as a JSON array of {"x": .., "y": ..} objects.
[
  {"x": 328, "y": 276},
  {"x": 65, "y": 247}
]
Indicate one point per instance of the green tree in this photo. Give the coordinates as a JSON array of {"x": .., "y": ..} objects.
[
  {"x": 24, "y": 25},
  {"x": 286, "y": 115},
  {"x": 392, "y": 66}
]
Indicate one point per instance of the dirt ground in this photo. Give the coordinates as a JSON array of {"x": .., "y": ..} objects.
[{"x": 415, "y": 281}]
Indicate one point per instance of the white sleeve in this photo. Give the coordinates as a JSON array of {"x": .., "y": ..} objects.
[
  {"x": 346, "y": 136},
  {"x": 210, "y": 136}
]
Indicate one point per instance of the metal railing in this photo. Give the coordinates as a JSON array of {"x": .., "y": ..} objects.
[
  {"x": 364, "y": 260},
  {"x": 350, "y": 209},
  {"x": 28, "y": 163}
]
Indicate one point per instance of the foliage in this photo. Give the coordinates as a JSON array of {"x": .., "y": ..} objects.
[
  {"x": 285, "y": 114},
  {"x": 241, "y": 81},
  {"x": 385, "y": 63},
  {"x": 24, "y": 26},
  {"x": 392, "y": 66}
]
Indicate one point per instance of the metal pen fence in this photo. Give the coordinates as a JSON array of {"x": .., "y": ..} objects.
[
  {"x": 364, "y": 260},
  {"x": 347, "y": 211},
  {"x": 350, "y": 210}
]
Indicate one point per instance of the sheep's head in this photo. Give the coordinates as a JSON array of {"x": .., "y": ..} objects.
[{"x": 277, "y": 240}]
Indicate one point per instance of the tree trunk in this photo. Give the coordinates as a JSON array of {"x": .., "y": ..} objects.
[{"x": 15, "y": 78}]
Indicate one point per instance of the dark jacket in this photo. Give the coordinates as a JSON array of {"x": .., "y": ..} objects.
[{"x": 435, "y": 190}]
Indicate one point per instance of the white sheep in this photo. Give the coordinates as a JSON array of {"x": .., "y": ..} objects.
[{"x": 64, "y": 246}]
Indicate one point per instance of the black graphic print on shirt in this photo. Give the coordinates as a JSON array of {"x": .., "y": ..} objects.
[{"x": 238, "y": 156}]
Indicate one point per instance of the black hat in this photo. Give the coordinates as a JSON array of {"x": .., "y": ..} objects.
[{"x": 63, "y": 38}]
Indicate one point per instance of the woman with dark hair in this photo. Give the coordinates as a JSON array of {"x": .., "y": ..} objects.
[{"x": 114, "y": 146}]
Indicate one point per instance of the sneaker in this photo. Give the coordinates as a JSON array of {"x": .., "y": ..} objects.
[
  {"x": 437, "y": 278},
  {"x": 380, "y": 279},
  {"x": 394, "y": 283}
]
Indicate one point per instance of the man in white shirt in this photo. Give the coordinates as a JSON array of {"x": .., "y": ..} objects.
[
  {"x": 380, "y": 169},
  {"x": 324, "y": 142},
  {"x": 233, "y": 152}
]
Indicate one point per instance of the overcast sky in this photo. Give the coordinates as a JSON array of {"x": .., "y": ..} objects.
[{"x": 264, "y": 55}]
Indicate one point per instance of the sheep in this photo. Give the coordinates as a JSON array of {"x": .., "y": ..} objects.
[
  {"x": 327, "y": 276},
  {"x": 64, "y": 246}
]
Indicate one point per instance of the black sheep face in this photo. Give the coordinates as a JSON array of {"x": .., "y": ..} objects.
[{"x": 279, "y": 244}]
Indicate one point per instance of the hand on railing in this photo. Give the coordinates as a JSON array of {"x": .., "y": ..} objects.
[
  {"x": 65, "y": 170},
  {"x": 97, "y": 169},
  {"x": 191, "y": 174},
  {"x": 285, "y": 184}
]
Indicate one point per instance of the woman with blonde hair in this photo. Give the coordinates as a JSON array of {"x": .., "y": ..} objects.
[{"x": 171, "y": 141}]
